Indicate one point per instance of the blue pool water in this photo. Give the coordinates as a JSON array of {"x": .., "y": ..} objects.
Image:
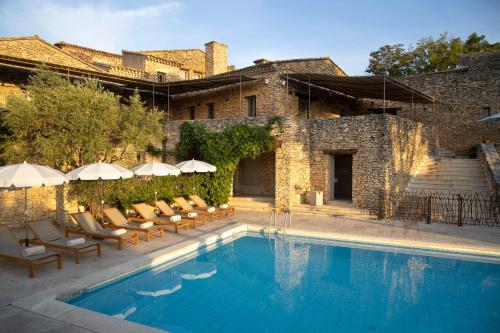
[{"x": 255, "y": 284}]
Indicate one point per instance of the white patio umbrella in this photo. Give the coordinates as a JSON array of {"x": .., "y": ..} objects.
[
  {"x": 495, "y": 117},
  {"x": 27, "y": 175},
  {"x": 100, "y": 171},
  {"x": 195, "y": 166},
  {"x": 156, "y": 169}
]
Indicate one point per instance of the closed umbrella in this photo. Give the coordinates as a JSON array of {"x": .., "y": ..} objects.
[
  {"x": 100, "y": 171},
  {"x": 195, "y": 166},
  {"x": 27, "y": 175},
  {"x": 156, "y": 169}
]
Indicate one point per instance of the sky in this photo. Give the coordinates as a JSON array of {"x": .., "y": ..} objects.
[{"x": 346, "y": 31}]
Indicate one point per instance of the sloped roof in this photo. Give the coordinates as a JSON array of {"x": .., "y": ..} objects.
[
  {"x": 274, "y": 65},
  {"x": 35, "y": 48}
]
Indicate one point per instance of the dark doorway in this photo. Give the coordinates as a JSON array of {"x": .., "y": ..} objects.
[{"x": 341, "y": 177}]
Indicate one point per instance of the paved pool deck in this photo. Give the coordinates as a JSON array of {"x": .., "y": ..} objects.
[{"x": 15, "y": 285}]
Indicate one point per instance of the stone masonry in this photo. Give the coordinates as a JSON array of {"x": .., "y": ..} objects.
[{"x": 462, "y": 94}]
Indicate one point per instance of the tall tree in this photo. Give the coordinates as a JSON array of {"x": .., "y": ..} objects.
[
  {"x": 429, "y": 55},
  {"x": 389, "y": 60},
  {"x": 67, "y": 124}
]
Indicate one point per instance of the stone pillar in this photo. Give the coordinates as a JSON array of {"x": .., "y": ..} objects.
[{"x": 215, "y": 58}]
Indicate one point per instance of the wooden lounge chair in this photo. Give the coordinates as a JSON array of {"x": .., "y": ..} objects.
[
  {"x": 11, "y": 250},
  {"x": 47, "y": 235},
  {"x": 147, "y": 213},
  {"x": 185, "y": 208},
  {"x": 201, "y": 204},
  {"x": 118, "y": 221},
  {"x": 167, "y": 211},
  {"x": 91, "y": 228}
]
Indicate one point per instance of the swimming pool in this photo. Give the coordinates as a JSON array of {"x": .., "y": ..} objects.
[{"x": 256, "y": 284}]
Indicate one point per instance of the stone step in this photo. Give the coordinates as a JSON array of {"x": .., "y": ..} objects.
[
  {"x": 444, "y": 184},
  {"x": 448, "y": 180},
  {"x": 333, "y": 209},
  {"x": 449, "y": 186}
]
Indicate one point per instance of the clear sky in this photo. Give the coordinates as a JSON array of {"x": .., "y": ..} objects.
[{"x": 347, "y": 31}]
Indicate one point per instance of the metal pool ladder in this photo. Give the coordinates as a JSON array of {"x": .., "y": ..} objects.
[{"x": 287, "y": 220}]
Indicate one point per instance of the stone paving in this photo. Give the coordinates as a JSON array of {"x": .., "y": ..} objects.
[{"x": 15, "y": 284}]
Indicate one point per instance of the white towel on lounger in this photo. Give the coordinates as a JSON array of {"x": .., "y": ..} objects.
[
  {"x": 146, "y": 225},
  {"x": 76, "y": 241},
  {"x": 118, "y": 232},
  {"x": 211, "y": 209},
  {"x": 175, "y": 218},
  {"x": 33, "y": 251},
  {"x": 192, "y": 214},
  {"x": 224, "y": 206}
]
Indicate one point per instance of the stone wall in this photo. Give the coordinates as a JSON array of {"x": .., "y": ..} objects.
[
  {"x": 461, "y": 95},
  {"x": 192, "y": 58},
  {"x": 386, "y": 150},
  {"x": 489, "y": 155},
  {"x": 227, "y": 102},
  {"x": 43, "y": 202}
]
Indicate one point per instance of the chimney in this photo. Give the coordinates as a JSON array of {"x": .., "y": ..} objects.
[{"x": 215, "y": 58}]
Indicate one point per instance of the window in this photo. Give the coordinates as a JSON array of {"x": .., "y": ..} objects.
[
  {"x": 162, "y": 77},
  {"x": 197, "y": 75},
  {"x": 486, "y": 110},
  {"x": 252, "y": 106},
  {"x": 184, "y": 74},
  {"x": 211, "y": 110},
  {"x": 192, "y": 112}
]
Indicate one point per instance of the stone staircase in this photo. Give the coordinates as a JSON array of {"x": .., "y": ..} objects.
[{"x": 449, "y": 174}]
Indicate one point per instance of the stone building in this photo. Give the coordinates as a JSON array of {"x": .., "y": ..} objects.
[{"x": 358, "y": 139}]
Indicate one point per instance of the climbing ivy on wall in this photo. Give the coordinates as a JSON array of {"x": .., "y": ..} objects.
[{"x": 224, "y": 150}]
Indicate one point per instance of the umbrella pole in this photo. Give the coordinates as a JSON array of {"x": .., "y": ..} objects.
[
  {"x": 102, "y": 202},
  {"x": 156, "y": 192},
  {"x": 193, "y": 181},
  {"x": 26, "y": 240}
]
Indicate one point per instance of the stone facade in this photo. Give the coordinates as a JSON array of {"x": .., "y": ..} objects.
[
  {"x": 489, "y": 155},
  {"x": 216, "y": 58},
  {"x": 386, "y": 151},
  {"x": 156, "y": 65},
  {"x": 462, "y": 94},
  {"x": 43, "y": 202},
  {"x": 193, "y": 59}
]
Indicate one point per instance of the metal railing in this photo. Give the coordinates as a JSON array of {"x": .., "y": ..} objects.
[
  {"x": 287, "y": 220},
  {"x": 473, "y": 208}
]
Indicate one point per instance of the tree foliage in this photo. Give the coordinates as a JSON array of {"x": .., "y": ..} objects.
[
  {"x": 67, "y": 124},
  {"x": 428, "y": 55}
]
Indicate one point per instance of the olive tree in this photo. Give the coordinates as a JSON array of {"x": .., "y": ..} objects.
[{"x": 66, "y": 124}]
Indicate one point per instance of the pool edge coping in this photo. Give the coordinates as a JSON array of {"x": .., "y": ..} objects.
[{"x": 381, "y": 241}]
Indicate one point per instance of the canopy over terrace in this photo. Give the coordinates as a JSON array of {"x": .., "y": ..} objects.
[
  {"x": 22, "y": 68},
  {"x": 375, "y": 87}
]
